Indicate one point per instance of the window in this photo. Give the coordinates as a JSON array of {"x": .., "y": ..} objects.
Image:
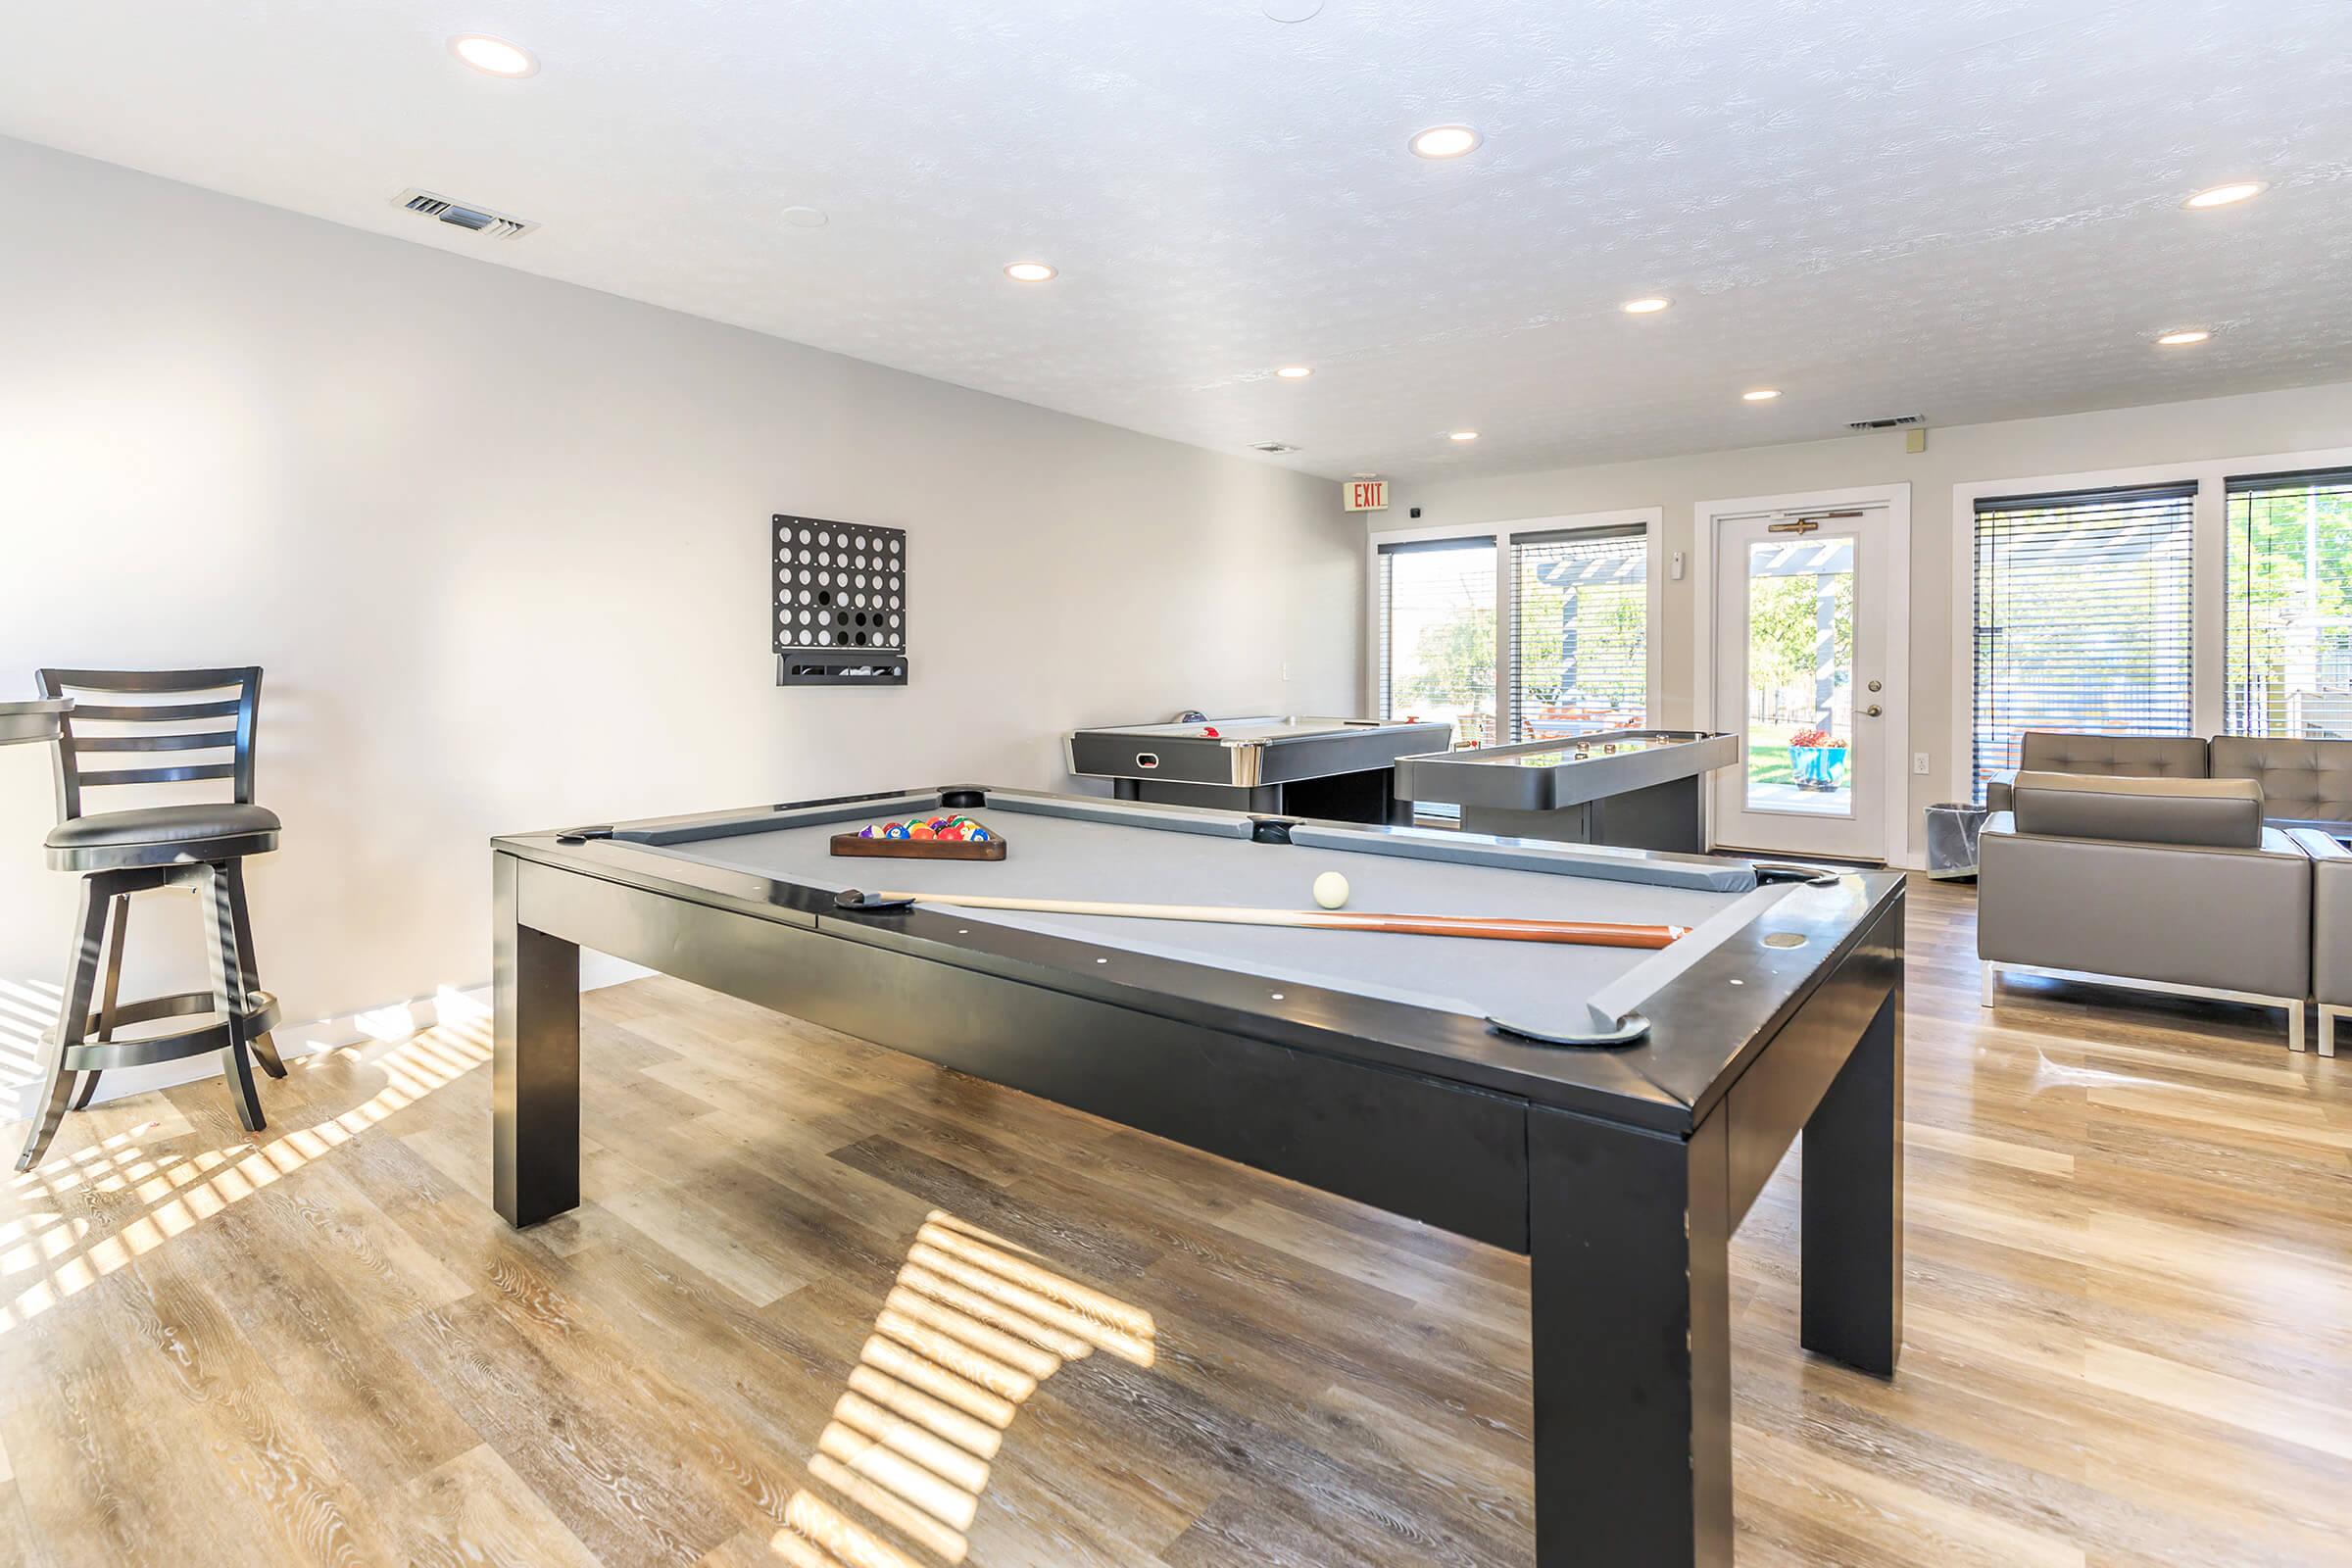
[
  {"x": 1580, "y": 644},
  {"x": 2287, "y": 605},
  {"x": 2083, "y": 617},
  {"x": 1435, "y": 636}
]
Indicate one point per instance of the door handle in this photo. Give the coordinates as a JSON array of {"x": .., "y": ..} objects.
[{"x": 1872, "y": 710}]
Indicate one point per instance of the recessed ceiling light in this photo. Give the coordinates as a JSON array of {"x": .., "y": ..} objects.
[
  {"x": 1762, "y": 394},
  {"x": 1644, "y": 307},
  {"x": 2184, "y": 337},
  {"x": 1446, "y": 141},
  {"x": 2225, "y": 195},
  {"x": 1296, "y": 372},
  {"x": 803, "y": 217},
  {"x": 1029, "y": 272},
  {"x": 1463, "y": 435},
  {"x": 494, "y": 57}
]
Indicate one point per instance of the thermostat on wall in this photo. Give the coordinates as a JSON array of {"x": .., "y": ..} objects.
[{"x": 840, "y": 603}]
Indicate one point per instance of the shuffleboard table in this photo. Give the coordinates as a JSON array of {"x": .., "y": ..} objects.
[
  {"x": 1639, "y": 789},
  {"x": 1326, "y": 768},
  {"x": 1426, "y": 1075}
]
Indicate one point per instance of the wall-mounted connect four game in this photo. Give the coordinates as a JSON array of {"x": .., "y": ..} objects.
[{"x": 841, "y": 603}]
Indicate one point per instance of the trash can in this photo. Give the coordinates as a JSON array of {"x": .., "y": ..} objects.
[{"x": 1953, "y": 829}]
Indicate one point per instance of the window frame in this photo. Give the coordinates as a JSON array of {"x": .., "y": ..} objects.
[
  {"x": 1513, "y": 679},
  {"x": 1383, "y": 551},
  {"x": 2208, "y": 611},
  {"x": 1649, "y": 520},
  {"x": 2338, "y": 480},
  {"x": 2112, "y": 506}
]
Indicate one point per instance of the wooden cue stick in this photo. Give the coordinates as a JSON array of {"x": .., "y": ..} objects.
[{"x": 1584, "y": 933}]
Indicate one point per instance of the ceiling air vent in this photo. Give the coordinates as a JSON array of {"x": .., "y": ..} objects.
[
  {"x": 1274, "y": 448},
  {"x": 463, "y": 215},
  {"x": 1901, "y": 421}
]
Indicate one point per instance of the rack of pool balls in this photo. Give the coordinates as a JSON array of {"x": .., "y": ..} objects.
[{"x": 937, "y": 838}]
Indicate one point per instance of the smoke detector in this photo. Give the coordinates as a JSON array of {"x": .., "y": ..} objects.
[
  {"x": 463, "y": 215},
  {"x": 1901, "y": 421}
]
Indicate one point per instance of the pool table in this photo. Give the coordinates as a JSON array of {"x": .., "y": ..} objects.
[{"x": 1431, "y": 1077}]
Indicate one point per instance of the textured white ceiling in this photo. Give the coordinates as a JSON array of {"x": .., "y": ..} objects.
[{"x": 1967, "y": 210}]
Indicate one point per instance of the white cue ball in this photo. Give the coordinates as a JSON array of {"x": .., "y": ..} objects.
[{"x": 1331, "y": 890}]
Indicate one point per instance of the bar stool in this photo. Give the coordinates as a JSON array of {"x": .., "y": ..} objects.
[{"x": 200, "y": 847}]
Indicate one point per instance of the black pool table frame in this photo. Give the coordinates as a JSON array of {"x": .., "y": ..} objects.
[{"x": 1621, "y": 1174}]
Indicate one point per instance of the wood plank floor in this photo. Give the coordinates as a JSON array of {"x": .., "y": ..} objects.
[{"x": 2130, "y": 1293}]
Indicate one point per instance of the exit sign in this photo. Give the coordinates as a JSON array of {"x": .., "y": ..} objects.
[{"x": 1368, "y": 495}]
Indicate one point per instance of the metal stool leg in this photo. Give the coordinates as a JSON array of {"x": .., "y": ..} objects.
[
  {"x": 73, "y": 1019},
  {"x": 114, "y": 931},
  {"x": 265, "y": 1050},
  {"x": 230, "y": 996}
]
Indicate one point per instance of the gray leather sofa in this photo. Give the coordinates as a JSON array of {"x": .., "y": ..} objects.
[
  {"x": 2305, "y": 784},
  {"x": 2155, "y": 880},
  {"x": 2042, "y": 751}
]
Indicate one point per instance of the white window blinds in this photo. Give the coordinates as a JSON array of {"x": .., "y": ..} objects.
[
  {"x": 1580, "y": 645},
  {"x": 2287, "y": 605},
  {"x": 2083, "y": 617}
]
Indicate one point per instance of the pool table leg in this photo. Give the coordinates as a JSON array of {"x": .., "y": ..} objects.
[
  {"x": 1852, "y": 1234},
  {"x": 535, "y": 1063},
  {"x": 1632, "y": 1357}
]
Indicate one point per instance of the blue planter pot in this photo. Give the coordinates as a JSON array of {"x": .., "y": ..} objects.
[{"x": 1816, "y": 767}]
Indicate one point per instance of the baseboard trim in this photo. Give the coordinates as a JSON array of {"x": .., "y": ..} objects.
[{"x": 392, "y": 1021}]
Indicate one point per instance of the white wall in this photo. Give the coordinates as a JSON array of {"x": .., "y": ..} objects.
[
  {"x": 2260, "y": 424},
  {"x": 501, "y": 544}
]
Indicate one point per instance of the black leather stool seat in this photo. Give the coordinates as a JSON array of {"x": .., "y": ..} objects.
[{"x": 154, "y": 835}]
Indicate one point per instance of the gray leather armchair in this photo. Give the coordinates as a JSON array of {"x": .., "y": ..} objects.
[
  {"x": 2163, "y": 884},
  {"x": 2331, "y": 928}
]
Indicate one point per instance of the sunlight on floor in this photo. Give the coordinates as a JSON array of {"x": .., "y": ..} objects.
[
  {"x": 28, "y": 1010},
  {"x": 972, "y": 1328},
  {"x": 180, "y": 1189}
]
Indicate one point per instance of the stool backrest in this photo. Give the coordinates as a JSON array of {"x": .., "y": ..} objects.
[{"x": 144, "y": 725}]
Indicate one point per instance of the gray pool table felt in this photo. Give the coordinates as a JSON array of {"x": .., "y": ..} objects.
[{"x": 1054, "y": 858}]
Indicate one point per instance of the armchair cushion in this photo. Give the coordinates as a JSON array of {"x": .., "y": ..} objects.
[{"x": 2221, "y": 813}]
